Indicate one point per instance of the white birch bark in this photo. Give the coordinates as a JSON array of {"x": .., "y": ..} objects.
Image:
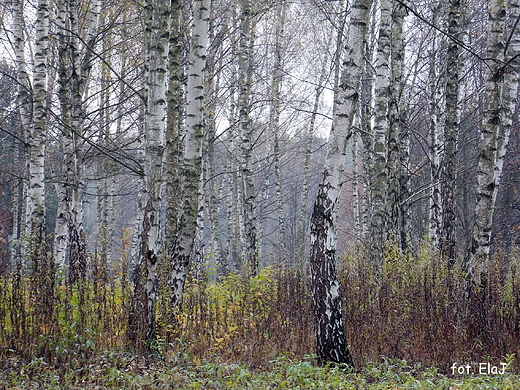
[
  {"x": 191, "y": 169},
  {"x": 500, "y": 96},
  {"x": 62, "y": 190},
  {"x": 396, "y": 122},
  {"x": 250, "y": 249},
  {"x": 435, "y": 95},
  {"x": 213, "y": 196},
  {"x": 233, "y": 199},
  {"x": 379, "y": 172},
  {"x": 23, "y": 82},
  {"x": 365, "y": 112},
  {"x": 451, "y": 128},
  {"x": 329, "y": 328},
  {"x": 37, "y": 136},
  {"x": 173, "y": 129},
  {"x": 25, "y": 112},
  {"x": 276, "y": 85},
  {"x": 145, "y": 282},
  {"x": 74, "y": 74},
  {"x": 399, "y": 149}
]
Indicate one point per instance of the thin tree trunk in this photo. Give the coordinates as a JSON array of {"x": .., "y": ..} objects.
[
  {"x": 157, "y": 34},
  {"x": 396, "y": 122},
  {"x": 379, "y": 172},
  {"x": 74, "y": 74},
  {"x": 245, "y": 55},
  {"x": 173, "y": 129},
  {"x": 191, "y": 170},
  {"x": 329, "y": 327},
  {"x": 451, "y": 128},
  {"x": 213, "y": 191},
  {"x": 276, "y": 85},
  {"x": 25, "y": 112},
  {"x": 435, "y": 94},
  {"x": 309, "y": 136},
  {"x": 37, "y": 137}
]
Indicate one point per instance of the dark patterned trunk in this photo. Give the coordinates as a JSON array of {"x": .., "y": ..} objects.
[{"x": 331, "y": 341}]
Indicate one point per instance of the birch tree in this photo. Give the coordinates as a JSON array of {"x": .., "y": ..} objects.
[
  {"x": 435, "y": 136},
  {"x": 245, "y": 58},
  {"x": 501, "y": 88},
  {"x": 451, "y": 127},
  {"x": 25, "y": 105},
  {"x": 213, "y": 195},
  {"x": 379, "y": 172},
  {"x": 37, "y": 136},
  {"x": 396, "y": 125},
  {"x": 329, "y": 327},
  {"x": 74, "y": 75},
  {"x": 173, "y": 129},
  {"x": 191, "y": 168},
  {"x": 276, "y": 97},
  {"x": 156, "y": 45}
]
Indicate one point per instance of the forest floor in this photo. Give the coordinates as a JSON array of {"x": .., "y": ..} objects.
[{"x": 125, "y": 371}]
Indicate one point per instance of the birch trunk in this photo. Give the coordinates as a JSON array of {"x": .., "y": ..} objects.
[
  {"x": 173, "y": 133},
  {"x": 276, "y": 85},
  {"x": 366, "y": 134},
  {"x": 245, "y": 57},
  {"x": 396, "y": 122},
  {"x": 379, "y": 172},
  {"x": 234, "y": 198},
  {"x": 74, "y": 75},
  {"x": 501, "y": 85},
  {"x": 37, "y": 137},
  {"x": 213, "y": 195},
  {"x": 191, "y": 169},
  {"x": 309, "y": 136},
  {"x": 329, "y": 327},
  {"x": 435, "y": 94},
  {"x": 451, "y": 128},
  {"x": 157, "y": 34},
  {"x": 25, "y": 113}
]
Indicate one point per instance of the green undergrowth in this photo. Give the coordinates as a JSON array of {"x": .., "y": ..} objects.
[
  {"x": 126, "y": 371},
  {"x": 231, "y": 333}
]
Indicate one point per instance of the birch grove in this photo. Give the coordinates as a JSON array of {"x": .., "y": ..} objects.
[{"x": 167, "y": 146}]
